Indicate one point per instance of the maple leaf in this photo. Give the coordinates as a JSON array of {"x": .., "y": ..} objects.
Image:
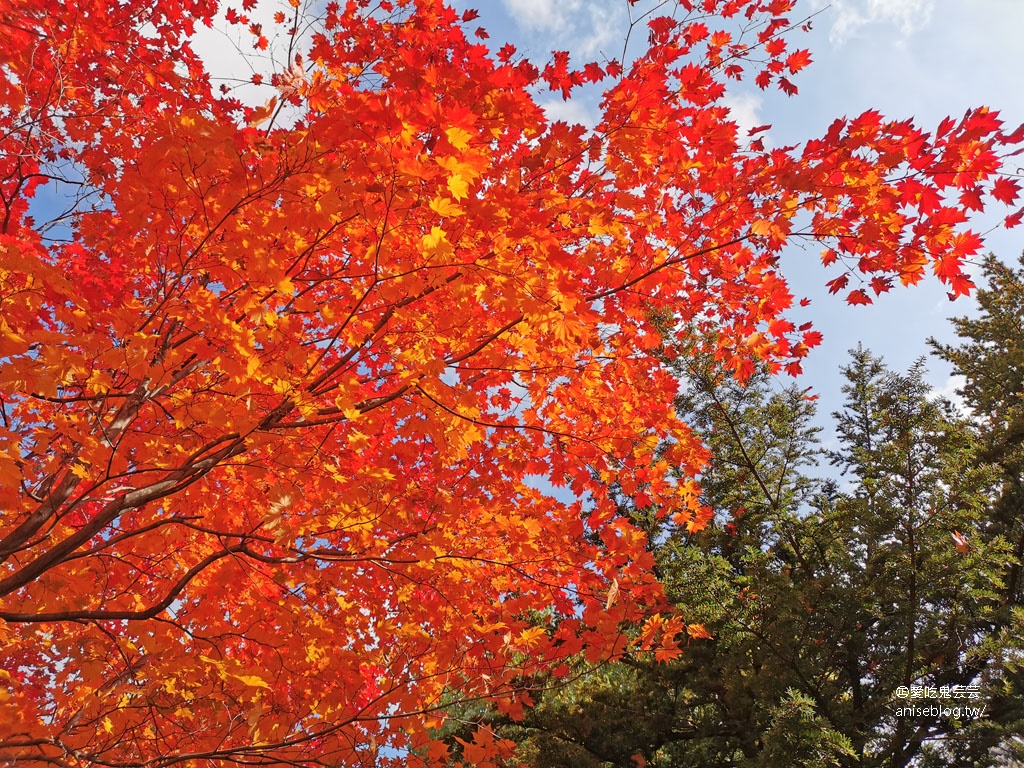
[
  {"x": 1005, "y": 190},
  {"x": 812, "y": 338},
  {"x": 593, "y": 73},
  {"x": 960, "y": 285},
  {"x": 857, "y": 296},
  {"x": 695, "y": 32},
  {"x": 698, "y": 632},
  {"x": 458, "y": 137},
  {"x": 880, "y": 285},
  {"x": 837, "y": 284},
  {"x": 960, "y": 542},
  {"x": 458, "y": 186},
  {"x": 660, "y": 27},
  {"x": 971, "y": 199},
  {"x": 798, "y": 60}
]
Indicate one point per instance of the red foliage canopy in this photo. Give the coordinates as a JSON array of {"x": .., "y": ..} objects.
[{"x": 275, "y": 409}]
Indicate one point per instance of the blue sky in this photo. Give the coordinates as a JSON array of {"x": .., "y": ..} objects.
[{"x": 907, "y": 58}]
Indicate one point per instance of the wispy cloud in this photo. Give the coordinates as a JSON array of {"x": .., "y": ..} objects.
[
  {"x": 586, "y": 28},
  {"x": 744, "y": 108},
  {"x": 573, "y": 112},
  {"x": 949, "y": 390},
  {"x": 607, "y": 30},
  {"x": 850, "y": 16},
  {"x": 542, "y": 15},
  {"x": 229, "y": 55}
]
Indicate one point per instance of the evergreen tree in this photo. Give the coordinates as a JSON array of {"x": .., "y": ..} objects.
[
  {"x": 990, "y": 357},
  {"x": 824, "y": 597}
]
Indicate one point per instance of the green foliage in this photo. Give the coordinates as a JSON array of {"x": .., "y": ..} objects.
[
  {"x": 823, "y": 597},
  {"x": 990, "y": 356},
  {"x": 799, "y": 736}
]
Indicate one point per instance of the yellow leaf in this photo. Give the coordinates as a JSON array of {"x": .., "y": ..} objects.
[
  {"x": 458, "y": 137},
  {"x": 313, "y": 653},
  {"x": 214, "y": 662},
  {"x": 698, "y": 632},
  {"x": 458, "y": 186},
  {"x": 434, "y": 239},
  {"x": 11, "y": 343},
  {"x": 445, "y": 207},
  {"x": 613, "y": 592},
  {"x": 528, "y": 637},
  {"x": 252, "y": 681},
  {"x": 108, "y": 726}
]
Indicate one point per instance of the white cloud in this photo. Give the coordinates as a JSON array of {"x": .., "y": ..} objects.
[
  {"x": 573, "y": 111},
  {"x": 542, "y": 15},
  {"x": 586, "y": 28},
  {"x": 948, "y": 390},
  {"x": 606, "y": 32},
  {"x": 230, "y": 58},
  {"x": 744, "y": 109},
  {"x": 851, "y": 15}
]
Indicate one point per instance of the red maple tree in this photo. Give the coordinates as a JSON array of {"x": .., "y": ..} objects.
[{"x": 276, "y": 394}]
